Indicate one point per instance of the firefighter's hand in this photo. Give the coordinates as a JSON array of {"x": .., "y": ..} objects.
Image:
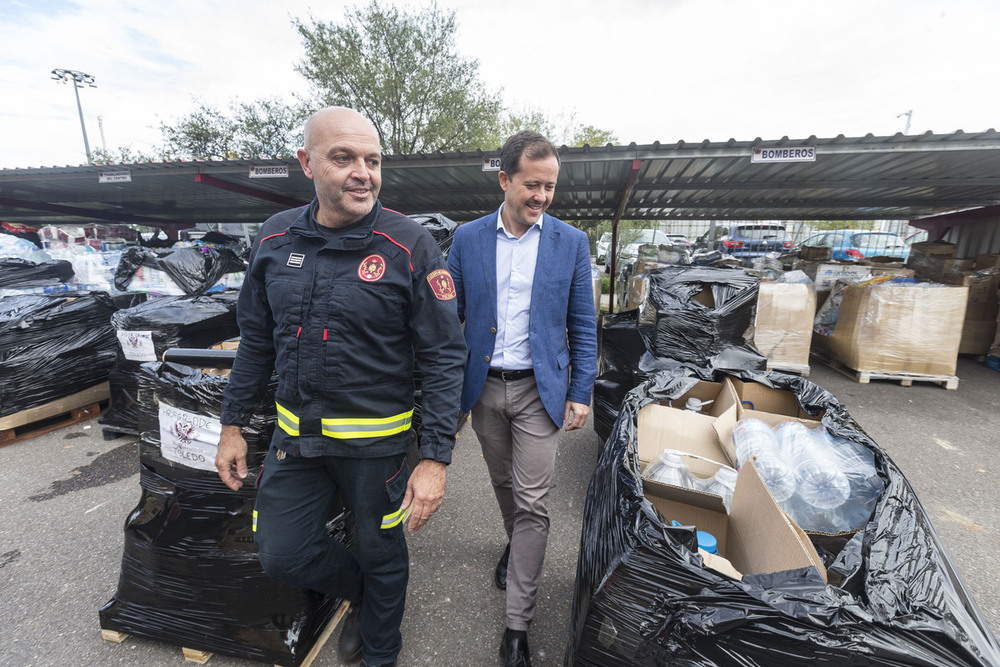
[
  {"x": 424, "y": 492},
  {"x": 231, "y": 459}
]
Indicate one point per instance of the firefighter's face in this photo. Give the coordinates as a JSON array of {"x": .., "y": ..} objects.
[{"x": 343, "y": 158}]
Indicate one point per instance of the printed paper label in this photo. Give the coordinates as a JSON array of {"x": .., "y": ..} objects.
[
  {"x": 137, "y": 345},
  {"x": 188, "y": 438}
]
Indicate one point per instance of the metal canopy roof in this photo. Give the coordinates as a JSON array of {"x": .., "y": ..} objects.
[{"x": 895, "y": 177}]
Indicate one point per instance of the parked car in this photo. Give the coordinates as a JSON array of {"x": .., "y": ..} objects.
[
  {"x": 857, "y": 244},
  {"x": 746, "y": 241},
  {"x": 602, "y": 248}
]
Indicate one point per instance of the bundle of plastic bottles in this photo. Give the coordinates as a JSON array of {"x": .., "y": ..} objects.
[
  {"x": 824, "y": 483},
  {"x": 671, "y": 468}
]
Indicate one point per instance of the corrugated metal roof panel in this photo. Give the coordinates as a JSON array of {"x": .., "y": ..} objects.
[{"x": 890, "y": 177}]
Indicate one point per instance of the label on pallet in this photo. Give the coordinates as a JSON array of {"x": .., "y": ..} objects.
[
  {"x": 188, "y": 438},
  {"x": 137, "y": 345}
]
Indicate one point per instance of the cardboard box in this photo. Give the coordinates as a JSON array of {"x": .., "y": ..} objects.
[
  {"x": 754, "y": 537},
  {"x": 898, "y": 328},
  {"x": 638, "y": 286},
  {"x": 825, "y": 275},
  {"x": 988, "y": 261},
  {"x": 977, "y": 336},
  {"x": 783, "y": 328},
  {"x": 934, "y": 250},
  {"x": 982, "y": 286},
  {"x": 815, "y": 252},
  {"x": 671, "y": 427}
]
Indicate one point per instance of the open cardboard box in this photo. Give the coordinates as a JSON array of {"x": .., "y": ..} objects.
[{"x": 755, "y": 536}]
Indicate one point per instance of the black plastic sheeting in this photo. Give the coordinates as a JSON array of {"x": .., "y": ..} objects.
[
  {"x": 190, "y": 573},
  {"x": 53, "y": 346},
  {"x": 20, "y": 273},
  {"x": 441, "y": 227},
  {"x": 674, "y": 330},
  {"x": 194, "y": 269},
  {"x": 174, "y": 321},
  {"x": 643, "y": 597},
  {"x": 680, "y": 326}
]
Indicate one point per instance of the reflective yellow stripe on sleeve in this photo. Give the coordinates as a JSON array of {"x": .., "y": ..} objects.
[
  {"x": 288, "y": 422},
  {"x": 394, "y": 519},
  {"x": 255, "y": 521},
  {"x": 351, "y": 428}
]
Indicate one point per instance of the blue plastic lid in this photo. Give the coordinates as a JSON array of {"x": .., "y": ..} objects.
[{"x": 707, "y": 542}]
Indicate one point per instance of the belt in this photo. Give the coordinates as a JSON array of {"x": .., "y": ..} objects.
[{"x": 508, "y": 376}]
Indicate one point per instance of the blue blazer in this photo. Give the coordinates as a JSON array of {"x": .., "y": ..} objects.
[{"x": 562, "y": 332}]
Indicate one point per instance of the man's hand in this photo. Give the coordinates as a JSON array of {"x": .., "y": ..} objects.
[
  {"x": 575, "y": 415},
  {"x": 231, "y": 459},
  {"x": 425, "y": 491}
]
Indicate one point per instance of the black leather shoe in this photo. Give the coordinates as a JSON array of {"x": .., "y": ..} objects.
[
  {"x": 514, "y": 649},
  {"x": 500, "y": 577},
  {"x": 349, "y": 645}
]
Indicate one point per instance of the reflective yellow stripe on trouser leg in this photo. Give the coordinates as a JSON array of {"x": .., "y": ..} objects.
[{"x": 395, "y": 518}]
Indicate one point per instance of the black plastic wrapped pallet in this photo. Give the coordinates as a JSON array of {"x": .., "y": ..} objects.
[
  {"x": 20, "y": 273},
  {"x": 194, "y": 270},
  {"x": 172, "y": 322},
  {"x": 190, "y": 573},
  {"x": 700, "y": 314},
  {"x": 643, "y": 596},
  {"x": 53, "y": 346}
]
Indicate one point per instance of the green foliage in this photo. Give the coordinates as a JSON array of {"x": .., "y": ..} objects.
[
  {"x": 120, "y": 155},
  {"x": 262, "y": 128},
  {"x": 402, "y": 71},
  {"x": 827, "y": 225},
  {"x": 592, "y": 136}
]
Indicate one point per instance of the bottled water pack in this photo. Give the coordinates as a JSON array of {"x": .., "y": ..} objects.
[{"x": 823, "y": 483}]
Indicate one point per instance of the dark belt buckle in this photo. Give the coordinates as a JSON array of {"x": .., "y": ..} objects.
[{"x": 509, "y": 376}]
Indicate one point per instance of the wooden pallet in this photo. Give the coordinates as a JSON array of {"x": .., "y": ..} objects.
[
  {"x": 949, "y": 382},
  {"x": 57, "y": 414},
  {"x": 202, "y": 657}
]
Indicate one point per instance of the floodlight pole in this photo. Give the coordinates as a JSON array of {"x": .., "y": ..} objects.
[{"x": 78, "y": 79}]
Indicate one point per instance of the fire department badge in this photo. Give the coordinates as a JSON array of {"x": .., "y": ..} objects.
[
  {"x": 371, "y": 268},
  {"x": 442, "y": 284}
]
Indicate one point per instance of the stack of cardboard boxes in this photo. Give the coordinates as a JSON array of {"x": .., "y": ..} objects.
[{"x": 938, "y": 262}]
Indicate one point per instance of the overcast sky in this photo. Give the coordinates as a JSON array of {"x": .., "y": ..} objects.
[{"x": 647, "y": 70}]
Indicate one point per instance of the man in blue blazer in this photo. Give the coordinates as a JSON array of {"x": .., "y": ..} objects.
[{"x": 523, "y": 283}]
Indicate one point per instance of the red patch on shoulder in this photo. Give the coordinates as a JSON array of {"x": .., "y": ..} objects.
[
  {"x": 371, "y": 268},
  {"x": 442, "y": 284}
]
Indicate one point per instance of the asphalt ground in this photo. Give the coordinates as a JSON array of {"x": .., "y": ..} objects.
[{"x": 64, "y": 498}]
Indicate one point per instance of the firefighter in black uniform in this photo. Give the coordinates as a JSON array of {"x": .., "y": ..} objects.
[{"x": 341, "y": 298}]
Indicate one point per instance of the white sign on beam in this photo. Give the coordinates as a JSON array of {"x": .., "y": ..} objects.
[
  {"x": 491, "y": 164},
  {"x": 279, "y": 171},
  {"x": 784, "y": 154},
  {"x": 114, "y": 176}
]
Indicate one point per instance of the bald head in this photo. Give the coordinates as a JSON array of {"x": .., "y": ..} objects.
[
  {"x": 343, "y": 158},
  {"x": 335, "y": 118}
]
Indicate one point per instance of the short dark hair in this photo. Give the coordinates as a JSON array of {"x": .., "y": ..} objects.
[{"x": 527, "y": 143}]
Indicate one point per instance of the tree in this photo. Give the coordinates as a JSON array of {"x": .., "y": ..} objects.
[
  {"x": 262, "y": 128},
  {"x": 589, "y": 135},
  {"x": 120, "y": 155},
  {"x": 401, "y": 70}
]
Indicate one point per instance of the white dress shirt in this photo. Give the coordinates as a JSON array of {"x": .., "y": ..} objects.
[{"x": 516, "y": 258}]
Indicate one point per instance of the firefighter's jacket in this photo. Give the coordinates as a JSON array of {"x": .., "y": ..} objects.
[{"x": 342, "y": 316}]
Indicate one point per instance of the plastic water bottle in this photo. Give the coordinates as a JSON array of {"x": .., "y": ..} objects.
[
  {"x": 723, "y": 483},
  {"x": 752, "y": 438},
  {"x": 671, "y": 469},
  {"x": 821, "y": 482},
  {"x": 696, "y": 404}
]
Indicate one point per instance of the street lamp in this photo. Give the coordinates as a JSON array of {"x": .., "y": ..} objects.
[{"x": 79, "y": 79}]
